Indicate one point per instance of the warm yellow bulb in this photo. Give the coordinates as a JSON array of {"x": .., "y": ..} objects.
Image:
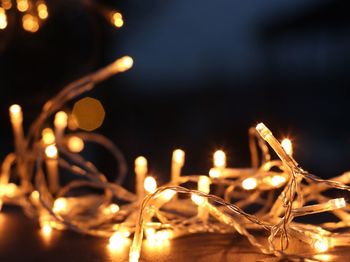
[
  {"x": 168, "y": 194},
  {"x": 249, "y": 183},
  {"x": 150, "y": 184},
  {"x": 48, "y": 136},
  {"x": 321, "y": 245},
  {"x": 75, "y": 144},
  {"x": 22, "y": 5},
  {"x": 214, "y": 173},
  {"x": 117, "y": 241},
  {"x": 111, "y": 209},
  {"x": 15, "y": 110},
  {"x": 141, "y": 161},
  {"x": 337, "y": 202},
  {"x": 124, "y": 63},
  {"x": 35, "y": 195},
  {"x": 198, "y": 200},
  {"x": 277, "y": 180},
  {"x": 46, "y": 229},
  {"x": 204, "y": 184},
  {"x": 60, "y": 205},
  {"x": 61, "y": 119},
  {"x": 287, "y": 146},
  {"x": 219, "y": 159},
  {"x": 10, "y": 190},
  {"x": 42, "y": 11},
  {"x": 30, "y": 23},
  {"x": 3, "y": 18},
  {"x": 51, "y": 151},
  {"x": 179, "y": 157}
]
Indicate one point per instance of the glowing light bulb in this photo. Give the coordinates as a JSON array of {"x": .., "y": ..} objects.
[
  {"x": 22, "y": 5},
  {"x": 249, "y": 183},
  {"x": 179, "y": 157},
  {"x": 30, "y": 23},
  {"x": 214, "y": 172},
  {"x": 15, "y": 111},
  {"x": 124, "y": 63},
  {"x": 3, "y": 18},
  {"x": 46, "y": 229},
  {"x": 141, "y": 163},
  {"x": 219, "y": 159},
  {"x": 277, "y": 180},
  {"x": 168, "y": 194},
  {"x": 10, "y": 190},
  {"x": 51, "y": 151},
  {"x": 75, "y": 144},
  {"x": 35, "y": 195},
  {"x": 61, "y": 119},
  {"x": 337, "y": 202},
  {"x": 150, "y": 184},
  {"x": 117, "y": 20},
  {"x": 6, "y": 4},
  {"x": 198, "y": 200},
  {"x": 111, "y": 209},
  {"x": 321, "y": 245},
  {"x": 117, "y": 241},
  {"x": 48, "y": 136},
  {"x": 287, "y": 146},
  {"x": 42, "y": 11},
  {"x": 60, "y": 205}
]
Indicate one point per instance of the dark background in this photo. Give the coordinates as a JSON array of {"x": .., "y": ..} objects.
[{"x": 204, "y": 72}]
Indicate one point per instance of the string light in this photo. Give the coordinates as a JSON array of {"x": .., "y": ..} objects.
[
  {"x": 287, "y": 146},
  {"x": 281, "y": 187},
  {"x": 3, "y": 18},
  {"x": 117, "y": 19},
  {"x": 75, "y": 144}
]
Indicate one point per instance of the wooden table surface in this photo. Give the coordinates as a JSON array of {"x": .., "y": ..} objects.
[{"x": 20, "y": 240}]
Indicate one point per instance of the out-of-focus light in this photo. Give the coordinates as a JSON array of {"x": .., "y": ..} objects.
[
  {"x": 150, "y": 184},
  {"x": 337, "y": 202},
  {"x": 277, "y": 180},
  {"x": 179, "y": 157},
  {"x": 214, "y": 173},
  {"x": 35, "y": 195},
  {"x": 89, "y": 113},
  {"x": 60, "y": 205},
  {"x": 111, "y": 209},
  {"x": 48, "y": 136},
  {"x": 51, "y": 151},
  {"x": 61, "y": 119},
  {"x": 287, "y": 146},
  {"x": 30, "y": 23},
  {"x": 117, "y": 19},
  {"x": 22, "y": 5},
  {"x": 168, "y": 194},
  {"x": 117, "y": 241},
  {"x": 198, "y": 200},
  {"x": 10, "y": 190},
  {"x": 46, "y": 229},
  {"x": 321, "y": 245},
  {"x": 249, "y": 183},
  {"x": 3, "y": 18},
  {"x": 42, "y": 11},
  {"x": 219, "y": 159},
  {"x": 15, "y": 110},
  {"x": 75, "y": 144},
  {"x": 6, "y": 4},
  {"x": 124, "y": 63}
]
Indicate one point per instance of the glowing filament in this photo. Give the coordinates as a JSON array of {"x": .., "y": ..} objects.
[
  {"x": 48, "y": 136},
  {"x": 249, "y": 183},
  {"x": 287, "y": 146},
  {"x": 219, "y": 159},
  {"x": 150, "y": 184},
  {"x": 3, "y": 18},
  {"x": 60, "y": 205},
  {"x": 75, "y": 144},
  {"x": 51, "y": 151}
]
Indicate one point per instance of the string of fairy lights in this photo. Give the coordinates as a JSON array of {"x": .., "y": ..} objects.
[
  {"x": 34, "y": 13},
  {"x": 216, "y": 201}
]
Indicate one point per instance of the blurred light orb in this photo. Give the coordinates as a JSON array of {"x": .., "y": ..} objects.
[
  {"x": 75, "y": 144},
  {"x": 30, "y": 23},
  {"x": 3, "y": 19},
  {"x": 89, "y": 113}
]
